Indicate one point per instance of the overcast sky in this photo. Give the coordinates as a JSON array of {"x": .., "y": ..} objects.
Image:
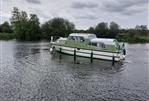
[{"x": 83, "y": 13}]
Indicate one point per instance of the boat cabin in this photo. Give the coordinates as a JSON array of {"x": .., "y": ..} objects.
[
  {"x": 81, "y": 37},
  {"x": 92, "y": 40},
  {"x": 103, "y": 42}
]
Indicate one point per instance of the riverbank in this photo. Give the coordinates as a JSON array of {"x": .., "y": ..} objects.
[
  {"x": 7, "y": 36},
  {"x": 120, "y": 38},
  {"x": 133, "y": 39}
]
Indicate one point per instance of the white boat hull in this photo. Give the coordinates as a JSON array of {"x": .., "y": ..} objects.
[{"x": 87, "y": 53}]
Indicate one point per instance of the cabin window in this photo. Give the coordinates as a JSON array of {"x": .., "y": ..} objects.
[
  {"x": 76, "y": 38},
  {"x": 81, "y": 39},
  {"x": 71, "y": 38},
  {"x": 94, "y": 44},
  {"x": 92, "y": 36},
  {"x": 102, "y": 45}
]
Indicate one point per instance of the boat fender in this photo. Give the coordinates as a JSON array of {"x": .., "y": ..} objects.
[
  {"x": 52, "y": 49},
  {"x": 78, "y": 48},
  {"x": 124, "y": 52}
]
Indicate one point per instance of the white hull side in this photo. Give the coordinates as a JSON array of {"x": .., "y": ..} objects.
[{"x": 87, "y": 53}]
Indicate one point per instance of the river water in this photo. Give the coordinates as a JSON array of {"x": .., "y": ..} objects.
[{"x": 28, "y": 72}]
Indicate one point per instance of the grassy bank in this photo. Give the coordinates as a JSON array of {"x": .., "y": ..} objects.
[
  {"x": 133, "y": 39},
  {"x": 120, "y": 37},
  {"x": 7, "y": 36}
]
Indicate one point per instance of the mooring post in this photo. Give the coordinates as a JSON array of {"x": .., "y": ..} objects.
[
  {"x": 74, "y": 55},
  {"x": 113, "y": 60},
  {"x": 60, "y": 57},
  {"x": 92, "y": 57}
]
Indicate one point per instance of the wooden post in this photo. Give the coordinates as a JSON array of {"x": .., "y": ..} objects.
[
  {"x": 74, "y": 55},
  {"x": 113, "y": 60},
  {"x": 60, "y": 57},
  {"x": 92, "y": 57}
]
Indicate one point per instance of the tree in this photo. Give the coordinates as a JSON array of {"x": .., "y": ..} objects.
[
  {"x": 46, "y": 30},
  {"x": 101, "y": 29},
  {"x": 57, "y": 27},
  {"x": 69, "y": 27},
  {"x": 142, "y": 29},
  {"x": 19, "y": 22},
  {"x": 34, "y": 28},
  {"x": 91, "y": 30},
  {"x": 24, "y": 27},
  {"x": 5, "y": 27},
  {"x": 114, "y": 29},
  {"x": 15, "y": 15}
]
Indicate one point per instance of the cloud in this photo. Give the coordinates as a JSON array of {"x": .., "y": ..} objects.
[
  {"x": 131, "y": 12},
  {"x": 34, "y": 1},
  {"x": 42, "y": 16},
  {"x": 81, "y": 5},
  {"x": 86, "y": 17},
  {"x": 125, "y": 6},
  {"x": 84, "y": 13},
  {"x": 3, "y": 19},
  {"x": 6, "y": 0}
]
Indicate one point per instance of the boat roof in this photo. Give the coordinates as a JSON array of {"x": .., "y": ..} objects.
[
  {"x": 104, "y": 40},
  {"x": 85, "y": 35}
]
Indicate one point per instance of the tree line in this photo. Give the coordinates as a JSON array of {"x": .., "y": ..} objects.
[{"x": 27, "y": 27}]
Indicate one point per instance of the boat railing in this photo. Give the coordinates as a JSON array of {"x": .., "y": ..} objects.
[{"x": 92, "y": 53}]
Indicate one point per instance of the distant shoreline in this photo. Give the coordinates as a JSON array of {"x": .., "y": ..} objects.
[{"x": 140, "y": 39}]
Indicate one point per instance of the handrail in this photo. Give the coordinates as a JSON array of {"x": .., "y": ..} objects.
[
  {"x": 87, "y": 49},
  {"x": 90, "y": 53}
]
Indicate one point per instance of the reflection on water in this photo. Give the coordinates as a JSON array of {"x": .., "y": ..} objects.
[{"x": 28, "y": 72}]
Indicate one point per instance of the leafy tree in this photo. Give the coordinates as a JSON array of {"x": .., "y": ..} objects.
[
  {"x": 46, "y": 30},
  {"x": 5, "y": 27},
  {"x": 60, "y": 26},
  {"x": 15, "y": 20},
  {"x": 69, "y": 27},
  {"x": 19, "y": 22},
  {"x": 91, "y": 30},
  {"x": 15, "y": 15},
  {"x": 24, "y": 27},
  {"x": 101, "y": 29},
  {"x": 57, "y": 27},
  {"x": 114, "y": 26},
  {"x": 114, "y": 30},
  {"x": 34, "y": 28},
  {"x": 80, "y": 31},
  {"x": 142, "y": 29}
]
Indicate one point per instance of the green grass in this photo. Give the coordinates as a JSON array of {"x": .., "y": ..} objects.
[
  {"x": 7, "y": 36},
  {"x": 144, "y": 38},
  {"x": 135, "y": 39}
]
